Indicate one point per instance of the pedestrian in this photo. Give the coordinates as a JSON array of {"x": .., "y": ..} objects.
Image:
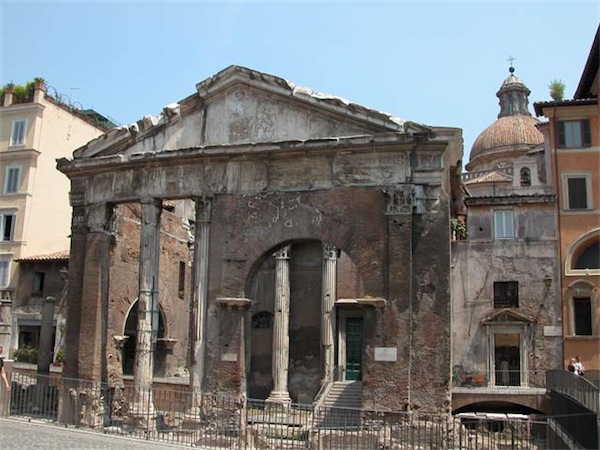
[
  {"x": 571, "y": 366},
  {"x": 2, "y": 371},
  {"x": 579, "y": 368}
]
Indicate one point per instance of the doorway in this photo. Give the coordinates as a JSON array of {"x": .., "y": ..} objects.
[
  {"x": 354, "y": 347},
  {"x": 507, "y": 359}
]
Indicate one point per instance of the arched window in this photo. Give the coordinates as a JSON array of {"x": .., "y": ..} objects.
[
  {"x": 129, "y": 348},
  {"x": 525, "y": 177},
  {"x": 589, "y": 258}
]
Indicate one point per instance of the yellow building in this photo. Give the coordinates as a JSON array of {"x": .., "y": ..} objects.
[
  {"x": 35, "y": 130},
  {"x": 572, "y": 138}
]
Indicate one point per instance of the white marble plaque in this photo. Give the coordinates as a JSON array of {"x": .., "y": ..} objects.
[
  {"x": 552, "y": 331},
  {"x": 389, "y": 354},
  {"x": 231, "y": 357}
]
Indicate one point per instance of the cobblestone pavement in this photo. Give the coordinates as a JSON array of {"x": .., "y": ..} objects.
[{"x": 21, "y": 435}]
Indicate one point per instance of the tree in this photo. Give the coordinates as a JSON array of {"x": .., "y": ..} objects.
[{"x": 557, "y": 90}]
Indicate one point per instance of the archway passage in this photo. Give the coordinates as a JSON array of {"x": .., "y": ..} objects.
[
  {"x": 130, "y": 346},
  {"x": 306, "y": 366}
]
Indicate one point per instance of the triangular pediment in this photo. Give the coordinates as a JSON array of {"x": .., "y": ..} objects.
[
  {"x": 505, "y": 316},
  {"x": 243, "y": 106}
]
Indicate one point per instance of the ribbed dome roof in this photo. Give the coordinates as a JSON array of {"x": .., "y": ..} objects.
[
  {"x": 508, "y": 131},
  {"x": 513, "y": 133}
]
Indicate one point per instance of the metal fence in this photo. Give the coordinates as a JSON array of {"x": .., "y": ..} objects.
[
  {"x": 501, "y": 379},
  {"x": 237, "y": 423}
]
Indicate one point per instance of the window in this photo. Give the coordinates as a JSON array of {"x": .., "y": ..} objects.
[
  {"x": 8, "y": 221},
  {"x": 506, "y": 294},
  {"x": 582, "y": 316},
  {"x": 12, "y": 180},
  {"x": 577, "y": 188},
  {"x": 504, "y": 225},
  {"x": 17, "y": 135},
  {"x": 525, "y": 177},
  {"x": 589, "y": 258},
  {"x": 4, "y": 271},
  {"x": 38, "y": 283},
  {"x": 573, "y": 133},
  {"x": 181, "y": 279}
]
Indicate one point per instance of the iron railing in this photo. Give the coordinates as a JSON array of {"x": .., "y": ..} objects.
[
  {"x": 172, "y": 415},
  {"x": 514, "y": 379},
  {"x": 577, "y": 387}
]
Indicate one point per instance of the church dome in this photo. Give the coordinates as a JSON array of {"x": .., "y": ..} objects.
[{"x": 512, "y": 134}]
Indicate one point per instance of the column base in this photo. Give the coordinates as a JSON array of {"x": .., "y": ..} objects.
[{"x": 279, "y": 398}]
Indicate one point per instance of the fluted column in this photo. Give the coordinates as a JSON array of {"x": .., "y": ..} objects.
[
  {"x": 201, "y": 249},
  {"x": 147, "y": 326},
  {"x": 328, "y": 297},
  {"x": 281, "y": 338}
]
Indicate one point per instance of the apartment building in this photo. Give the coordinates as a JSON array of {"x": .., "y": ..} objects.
[
  {"x": 35, "y": 215},
  {"x": 572, "y": 139}
]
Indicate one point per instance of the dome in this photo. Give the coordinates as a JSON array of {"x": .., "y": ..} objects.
[
  {"x": 513, "y": 133},
  {"x": 508, "y": 133}
]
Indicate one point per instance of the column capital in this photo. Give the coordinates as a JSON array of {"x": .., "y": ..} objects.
[
  {"x": 330, "y": 251},
  {"x": 283, "y": 252},
  {"x": 99, "y": 217},
  {"x": 203, "y": 208},
  {"x": 79, "y": 220},
  {"x": 399, "y": 199}
]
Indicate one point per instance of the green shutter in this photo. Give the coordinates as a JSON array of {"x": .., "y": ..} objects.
[
  {"x": 560, "y": 133},
  {"x": 587, "y": 134}
]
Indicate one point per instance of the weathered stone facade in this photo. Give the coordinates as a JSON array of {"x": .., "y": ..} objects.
[
  {"x": 506, "y": 311},
  {"x": 299, "y": 197}
]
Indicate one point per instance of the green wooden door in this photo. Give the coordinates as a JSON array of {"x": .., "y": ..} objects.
[{"x": 354, "y": 344}]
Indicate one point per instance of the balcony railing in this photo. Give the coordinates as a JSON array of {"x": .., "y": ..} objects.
[{"x": 500, "y": 379}]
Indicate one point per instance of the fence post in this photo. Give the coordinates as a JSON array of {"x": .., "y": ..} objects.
[{"x": 5, "y": 396}]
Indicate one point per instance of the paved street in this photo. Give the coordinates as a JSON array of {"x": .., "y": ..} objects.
[{"x": 21, "y": 435}]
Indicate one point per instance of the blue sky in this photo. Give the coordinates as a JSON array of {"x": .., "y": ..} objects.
[{"x": 438, "y": 63}]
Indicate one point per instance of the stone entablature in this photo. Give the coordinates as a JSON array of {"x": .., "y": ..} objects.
[{"x": 361, "y": 161}]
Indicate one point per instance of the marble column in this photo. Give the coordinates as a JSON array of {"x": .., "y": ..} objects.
[
  {"x": 328, "y": 298},
  {"x": 281, "y": 338},
  {"x": 201, "y": 254},
  {"x": 147, "y": 326}
]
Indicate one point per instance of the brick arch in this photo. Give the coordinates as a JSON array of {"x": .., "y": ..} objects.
[
  {"x": 322, "y": 216},
  {"x": 539, "y": 403}
]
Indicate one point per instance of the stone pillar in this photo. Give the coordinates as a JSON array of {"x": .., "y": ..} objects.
[
  {"x": 67, "y": 410},
  {"x": 201, "y": 254},
  {"x": 74, "y": 293},
  {"x": 147, "y": 326},
  {"x": 6, "y": 318},
  {"x": 94, "y": 293},
  {"x": 281, "y": 338},
  {"x": 399, "y": 292},
  {"x": 328, "y": 298},
  {"x": 45, "y": 347}
]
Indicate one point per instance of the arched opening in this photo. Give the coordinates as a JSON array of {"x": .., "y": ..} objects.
[
  {"x": 525, "y": 177},
  {"x": 306, "y": 358},
  {"x": 129, "y": 348},
  {"x": 583, "y": 255},
  {"x": 589, "y": 258}
]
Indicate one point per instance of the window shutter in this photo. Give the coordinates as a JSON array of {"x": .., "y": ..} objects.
[
  {"x": 560, "y": 133},
  {"x": 587, "y": 134}
]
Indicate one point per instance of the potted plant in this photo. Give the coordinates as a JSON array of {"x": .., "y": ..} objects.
[{"x": 40, "y": 83}]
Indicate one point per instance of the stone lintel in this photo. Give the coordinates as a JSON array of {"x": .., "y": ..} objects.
[
  {"x": 233, "y": 302},
  {"x": 375, "y": 302}
]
